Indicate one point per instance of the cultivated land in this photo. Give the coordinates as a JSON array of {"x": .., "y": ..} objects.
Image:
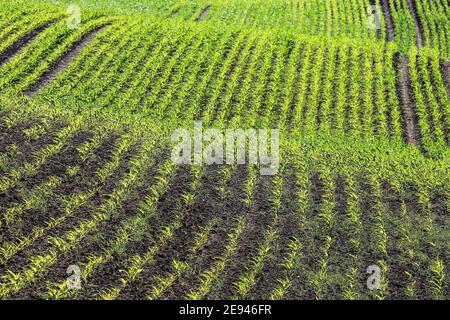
[{"x": 86, "y": 176}]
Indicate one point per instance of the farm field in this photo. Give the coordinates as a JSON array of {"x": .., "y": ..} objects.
[{"x": 359, "y": 91}]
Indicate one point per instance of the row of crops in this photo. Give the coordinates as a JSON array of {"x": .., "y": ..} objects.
[
  {"x": 86, "y": 178},
  {"x": 406, "y": 22},
  {"x": 107, "y": 198},
  {"x": 307, "y": 84},
  {"x": 421, "y": 23}
]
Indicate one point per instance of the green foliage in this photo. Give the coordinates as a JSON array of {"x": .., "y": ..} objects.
[{"x": 360, "y": 194}]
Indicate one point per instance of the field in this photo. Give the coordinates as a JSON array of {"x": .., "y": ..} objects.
[{"x": 88, "y": 187}]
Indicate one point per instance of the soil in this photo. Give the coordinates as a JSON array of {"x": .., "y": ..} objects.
[
  {"x": 174, "y": 12},
  {"x": 390, "y": 32},
  {"x": 397, "y": 277},
  {"x": 417, "y": 25},
  {"x": 93, "y": 242},
  {"x": 55, "y": 166},
  {"x": 67, "y": 189},
  {"x": 203, "y": 14},
  {"x": 288, "y": 230},
  {"x": 257, "y": 218},
  {"x": 409, "y": 116},
  {"x": 108, "y": 275},
  {"x": 227, "y": 208},
  {"x": 342, "y": 233},
  {"x": 63, "y": 62},
  {"x": 20, "y": 44},
  {"x": 445, "y": 67}
]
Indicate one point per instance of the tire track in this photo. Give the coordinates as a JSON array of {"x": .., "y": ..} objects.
[
  {"x": 203, "y": 14},
  {"x": 390, "y": 32},
  {"x": 64, "y": 61},
  {"x": 20, "y": 44},
  {"x": 406, "y": 104},
  {"x": 417, "y": 26}
]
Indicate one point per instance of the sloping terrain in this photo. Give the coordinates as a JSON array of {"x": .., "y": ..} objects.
[{"x": 87, "y": 179}]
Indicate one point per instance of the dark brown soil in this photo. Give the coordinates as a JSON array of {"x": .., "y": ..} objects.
[
  {"x": 390, "y": 33},
  {"x": 445, "y": 67},
  {"x": 55, "y": 166},
  {"x": 203, "y": 14},
  {"x": 421, "y": 255},
  {"x": 368, "y": 256},
  {"x": 288, "y": 230},
  {"x": 63, "y": 61},
  {"x": 178, "y": 246},
  {"x": 218, "y": 207},
  {"x": 293, "y": 102},
  {"x": 309, "y": 237},
  {"x": 93, "y": 242},
  {"x": 20, "y": 44},
  {"x": 342, "y": 232},
  {"x": 27, "y": 146},
  {"x": 226, "y": 208},
  {"x": 409, "y": 116},
  {"x": 440, "y": 212},
  {"x": 14, "y": 135},
  {"x": 174, "y": 12},
  {"x": 108, "y": 275},
  {"x": 257, "y": 218},
  {"x": 399, "y": 262},
  {"x": 317, "y": 193},
  {"x": 417, "y": 25},
  {"x": 41, "y": 245},
  {"x": 392, "y": 221}
]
